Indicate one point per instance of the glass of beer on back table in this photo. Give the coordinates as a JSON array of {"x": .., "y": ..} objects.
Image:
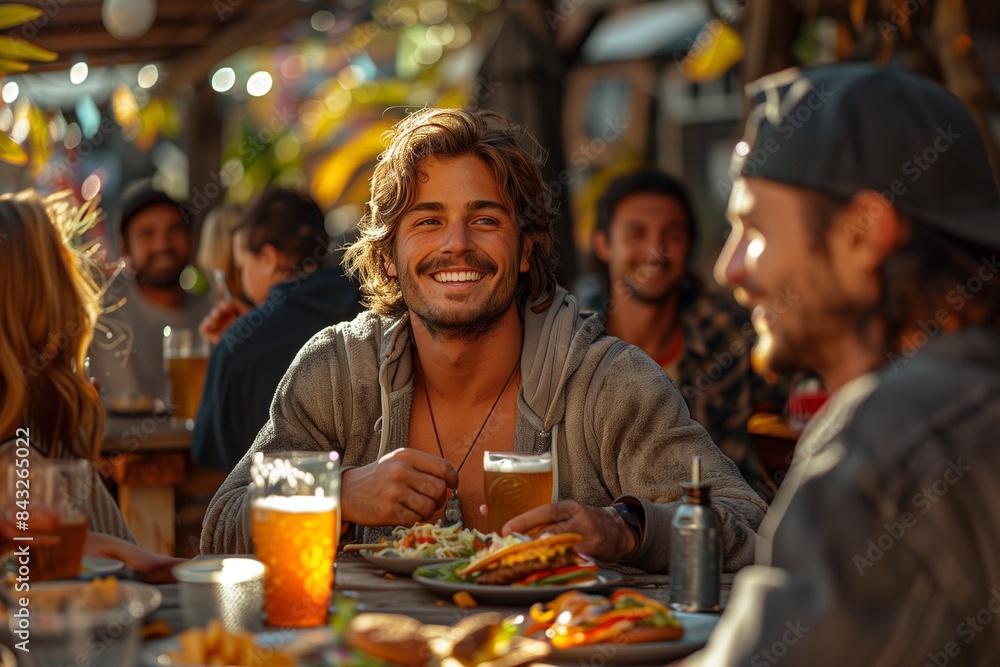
[
  {"x": 185, "y": 355},
  {"x": 295, "y": 515},
  {"x": 58, "y": 491},
  {"x": 515, "y": 483}
]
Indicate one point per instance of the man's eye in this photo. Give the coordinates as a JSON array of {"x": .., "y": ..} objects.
[
  {"x": 485, "y": 221},
  {"x": 426, "y": 222}
]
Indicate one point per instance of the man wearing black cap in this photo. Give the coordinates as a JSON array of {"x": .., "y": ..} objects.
[
  {"x": 127, "y": 353},
  {"x": 865, "y": 193}
]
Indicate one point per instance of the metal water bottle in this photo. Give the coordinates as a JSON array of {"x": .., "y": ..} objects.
[{"x": 695, "y": 549}]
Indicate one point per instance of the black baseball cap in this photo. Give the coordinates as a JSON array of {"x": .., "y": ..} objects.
[
  {"x": 839, "y": 129},
  {"x": 137, "y": 196}
]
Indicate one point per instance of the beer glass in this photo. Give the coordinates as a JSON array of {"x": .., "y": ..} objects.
[
  {"x": 45, "y": 500},
  {"x": 295, "y": 516},
  {"x": 185, "y": 355},
  {"x": 515, "y": 483}
]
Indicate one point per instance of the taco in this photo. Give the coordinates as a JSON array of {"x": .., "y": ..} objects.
[{"x": 544, "y": 561}]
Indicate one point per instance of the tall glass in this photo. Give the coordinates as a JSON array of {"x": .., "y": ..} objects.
[
  {"x": 515, "y": 483},
  {"x": 185, "y": 355},
  {"x": 45, "y": 499},
  {"x": 295, "y": 515}
]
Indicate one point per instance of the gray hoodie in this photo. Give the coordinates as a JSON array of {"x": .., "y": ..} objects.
[{"x": 621, "y": 427}]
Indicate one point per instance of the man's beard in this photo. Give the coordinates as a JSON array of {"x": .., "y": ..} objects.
[
  {"x": 465, "y": 325},
  {"x": 658, "y": 298},
  {"x": 160, "y": 277}
]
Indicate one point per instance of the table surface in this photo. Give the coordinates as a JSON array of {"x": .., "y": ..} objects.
[
  {"x": 374, "y": 591},
  {"x": 146, "y": 432}
]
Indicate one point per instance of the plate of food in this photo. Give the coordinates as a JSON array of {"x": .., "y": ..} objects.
[
  {"x": 425, "y": 544},
  {"x": 214, "y": 645},
  {"x": 96, "y": 567},
  {"x": 623, "y": 628},
  {"x": 516, "y": 570}
]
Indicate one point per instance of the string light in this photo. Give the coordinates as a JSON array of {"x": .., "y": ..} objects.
[{"x": 78, "y": 72}]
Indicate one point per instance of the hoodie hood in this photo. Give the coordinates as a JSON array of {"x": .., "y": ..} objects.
[{"x": 545, "y": 367}]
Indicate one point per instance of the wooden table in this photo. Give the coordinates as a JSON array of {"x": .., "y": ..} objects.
[
  {"x": 146, "y": 456},
  {"x": 373, "y": 592}
]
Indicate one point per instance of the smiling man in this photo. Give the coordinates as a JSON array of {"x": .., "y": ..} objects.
[
  {"x": 471, "y": 346},
  {"x": 643, "y": 245},
  {"x": 127, "y": 353},
  {"x": 881, "y": 545}
]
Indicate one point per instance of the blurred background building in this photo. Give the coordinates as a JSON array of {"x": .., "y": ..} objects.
[{"x": 217, "y": 99}]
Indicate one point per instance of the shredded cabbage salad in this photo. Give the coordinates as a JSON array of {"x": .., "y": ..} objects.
[{"x": 426, "y": 540}]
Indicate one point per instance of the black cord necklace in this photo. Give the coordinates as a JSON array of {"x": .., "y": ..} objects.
[{"x": 453, "y": 508}]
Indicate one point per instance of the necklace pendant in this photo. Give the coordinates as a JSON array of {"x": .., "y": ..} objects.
[{"x": 453, "y": 510}]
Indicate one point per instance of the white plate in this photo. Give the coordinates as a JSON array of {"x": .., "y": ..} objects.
[
  {"x": 98, "y": 567},
  {"x": 398, "y": 565},
  {"x": 518, "y": 595},
  {"x": 697, "y": 628},
  {"x": 154, "y": 653}
]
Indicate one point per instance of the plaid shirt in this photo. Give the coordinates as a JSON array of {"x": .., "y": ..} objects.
[{"x": 716, "y": 380}]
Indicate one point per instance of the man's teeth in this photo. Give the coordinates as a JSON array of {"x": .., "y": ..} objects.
[{"x": 457, "y": 276}]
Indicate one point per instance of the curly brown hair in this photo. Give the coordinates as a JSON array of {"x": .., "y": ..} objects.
[{"x": 512, "y": 155}]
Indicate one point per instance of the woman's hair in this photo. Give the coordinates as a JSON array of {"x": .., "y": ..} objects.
[
  {"x": 215, "y": 245},
  {"x": 49, "y": 302},
  {"x": 928, "y": 279},
  {"x": 510, "y": 153},
  {"x": 293, "y": 223}
]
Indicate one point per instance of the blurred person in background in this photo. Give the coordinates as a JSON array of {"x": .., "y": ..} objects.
[
  {"x": 127, "y": 354},
  {"x": 866, "y": 191},
  {"x": 282, "y": 251},
  {"x": 49, "y": 298},
  {"x": 215, "y": 249},
  {"x": 643, "y": 247}
]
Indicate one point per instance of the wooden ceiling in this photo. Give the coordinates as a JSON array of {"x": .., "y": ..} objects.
[{"x": 188, "y": 36}]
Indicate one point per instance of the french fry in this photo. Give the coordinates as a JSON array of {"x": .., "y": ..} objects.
[{"x": 214, "y": 646}]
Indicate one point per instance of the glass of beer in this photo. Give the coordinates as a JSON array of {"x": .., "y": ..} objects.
[
  {"x": 46, "y": 499},
  {"x": 295, "y": 516},
  {"x": 515, "y": 483},
  {"x": 185, "y": 355}
]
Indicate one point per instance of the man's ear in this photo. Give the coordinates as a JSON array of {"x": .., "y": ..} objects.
[
  {"x": 602, "y": 248},
  {"x": 390, "y": 266},
  {"x": 872, "y": 228},
  {"x": 526, "y": 247},
  {"x": 272, "y": 259}
]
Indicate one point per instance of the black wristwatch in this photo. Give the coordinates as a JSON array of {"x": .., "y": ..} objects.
[{"x": 631, "y": 519}]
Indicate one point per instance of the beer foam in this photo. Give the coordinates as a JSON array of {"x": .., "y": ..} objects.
[
  {"x": 296, "y": 504},
  {"x": 518, "y": 464}
]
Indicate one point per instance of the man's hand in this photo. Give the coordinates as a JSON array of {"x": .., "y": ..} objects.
[
  {"x": 403, "y": 487},
  {"x": 222, "y": 316},
  {"x": 605, "y": 535}
]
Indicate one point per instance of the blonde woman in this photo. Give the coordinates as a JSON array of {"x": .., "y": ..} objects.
[
  {"x": 215, "y": 247},
  {"x": 49, "y": 296}
]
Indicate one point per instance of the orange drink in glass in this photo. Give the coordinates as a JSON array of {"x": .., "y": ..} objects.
[{"x": 295, "y": 517}]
